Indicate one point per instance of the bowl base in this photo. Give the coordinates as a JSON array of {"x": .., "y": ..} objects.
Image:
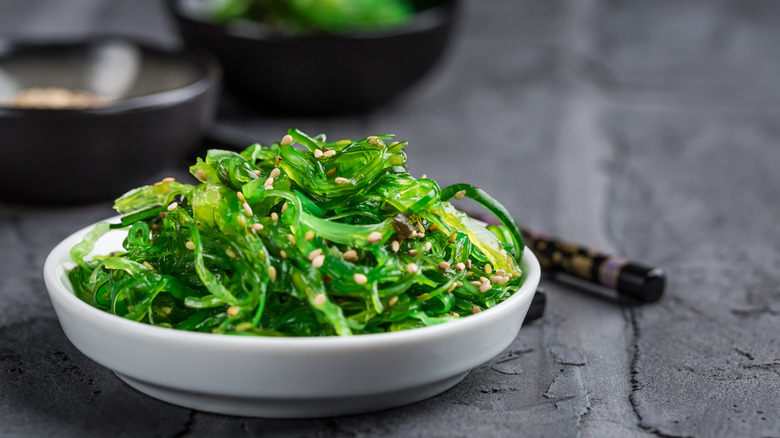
[{"x": 292, "y": 407}]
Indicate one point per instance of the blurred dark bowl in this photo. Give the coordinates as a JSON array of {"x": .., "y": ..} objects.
[
  {"x": 322, "y": 73},
  {"x": 161, "y": 102}
]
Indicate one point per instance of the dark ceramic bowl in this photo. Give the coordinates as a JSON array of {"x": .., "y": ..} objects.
[
  {"x": 160, "y": 102},
  {"x": 322, "y": 73}
]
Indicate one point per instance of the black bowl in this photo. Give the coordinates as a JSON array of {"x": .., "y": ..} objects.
[
  {"x": 322, "y": 73},
  {"x": 161, "y": 101}
]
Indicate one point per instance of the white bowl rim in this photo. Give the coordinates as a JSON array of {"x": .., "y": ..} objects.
[{"x": 57, "y": 259}]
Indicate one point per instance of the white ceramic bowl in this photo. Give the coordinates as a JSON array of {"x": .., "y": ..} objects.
[{"x": 283, "y": 377}]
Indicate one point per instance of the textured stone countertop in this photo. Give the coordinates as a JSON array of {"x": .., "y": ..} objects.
[{"x": 650, "y": 129}]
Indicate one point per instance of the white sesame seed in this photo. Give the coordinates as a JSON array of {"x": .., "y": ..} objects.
[
  {"x": 274, "y": 216},
  {"x": 269, "y": 181},
  {"x": 201, "y": 175},
  {"x": 476, "y": 283},
  {"x": 230, "y": 253},
  {"x": 350, "y": 255},
  {"x": 168, "y": 180},
  {"x": 395, "y": 246},
  {"x": 190, "y": 245},
  {"x": 233, "y": 311},
  {"x": 495, "y": 278},
  {"x": 455, "y": 314},
  {"x": 411, "y": 267},
  {"x": 329, "y": 153},
  {"x": 413, "y": 234},
  {"x": 284, "y": 207},
  {"x": 503, "y": 280},
  {"x": 424, "y": 176},
  {"x": 283, "y": 254},
  {"x": 287, "y": 139},
  {"x": 244, "y": 326},
  {"x": 460, "y": 194},
  {"x": 272, "y": 273},
  {"x": 374, "y": 237},
  {"x": 340, "y": 180},
  {"x": 488, "y": 268},
  {"x": 475, "y": 309},
  {"x": 468, "y": 264},
  {"x": 318, "y": 261},
  {"x": 240, "y": 196},
  {"x": 413, "y": 252},
  {"x": 172, "y": 206},
  {"x": 460, "y": 283},
  {"x": 360, "y": 279},
  {"x": 315, "y": 253},
  {"x": 291, "y": 239},
  {"x": 257, "y": 227},
  {"x": 452, "y": 287},
  {"x": 309, "y": 236},
  {"x": 317, "y": 153},
  {"x": 444, "y": 265},
  {"x": 485, "y": 287},
  {"x": 501, "y": 272},
  {"x": 372, "y": 139},
  {"x": 241, "y": 220},
  {"x": 248, "y": 209},
  {"x": 319, "y": 299},
  {"x": 342, "y": 142},
  {"x": 427, "y": 246},
  {"x": 391, "y": 302},
  {"x": 257, "y": 172},
  {"x": 269, "y": 187},
  {"x": 452, "y": 238},
  {"x": 483, "y": 280},
  {"x": 275, "y": 172},
  {"x": 460, "y": 266}
]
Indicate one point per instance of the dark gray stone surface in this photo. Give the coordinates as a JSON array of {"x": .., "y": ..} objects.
[{"x": 646, "y": 128}]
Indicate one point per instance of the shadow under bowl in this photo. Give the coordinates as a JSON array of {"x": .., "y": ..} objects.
[
  {"x": 158, "y": 102},
  {"x": 319, "y": 74}
]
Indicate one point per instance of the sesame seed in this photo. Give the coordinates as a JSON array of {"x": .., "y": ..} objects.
[
  {"x": 233, "y": 311},
  {"x": 331, "y": 172},
  {"x": 230, "y": 253},
  {"x": 329, "y": 153},
  {"x": 420, "y": 234},
  {"x": 274, "y": 216},
  {"x": 350, "y": 255},
  {"x": 172, "y": 206},
  {"x": 318, "y": 261},
  {"x": 257, "y": 172},
  {"x": 257, "y": 227},
  {"x": 158, "y": 183},
  {"x": 272, "y": 273},
  {"x": 394, "y": 143},
  {"x": 201, "y": 175},
  {"x": 278, "y": 159},
  {"x": 391, "y": 302},
  {"x": 517, "y": 274},
  {"x": 453, "y": 236},
  {"x": 444, "y": 265},
  {"x": 308, "y": 236},
  {"x": 319, "y": 299},
  {"x": 269, "y": 181},
  {"x": 190, "y": 245},
  {"x": 244, "y": 326},
  {"x": 342, "y": 142},
  {"x": 374, "y": 237},
  {"x": 468, "y": 264},
  {"x": 424, "y": 176},
  {"x": 275, "y": 173},
  {"x": 291, "y": 239},
  {"x": 360, "y": 279},
  {"x": 413, "y": 252},
  {"x": 501, "y": 272},
  {"x": 495, "y": 278},
  {"x": 503, "y": 280},
  {"x": 395, "y": 246},
  {"x": 476, "y": 283},
  {"x": 488, "y": 268},
  {"x": 283, "y": 254},
  {"x": 475, "y": 309},
  {"x": 287, "y": 139},
  {"x": 248, "y": 209},
  {"x": 460, "y": 194},
  {"x": 427, "y": 246},
  {"x": 372, "y": 139},
  {"x": 433, "y": 228},
  {"x": 452, "y": 287},
  {"x": 411, "y": 267},
  {"x": 241, "y": 220},
  {"x": 269, "y": 187},
  {"x": 413, "y": 234},
  {"x": 485, "y": 287},
  {"x": 148, "y": 265},
  {"x": 240, "y": 196},
  {"x": 460, "y": 266},
  {"x": 168, "y": 180},
  {"x": 455, "y": 314},
  {"x": 315, "y": 253},
  {"x": 340, "y": 180},
  {"x": 317, "y": 153},
  {"x": 284, "y": 207},
  {"x": 459, "y": 283},
  {"x": 483, "y": 280}
]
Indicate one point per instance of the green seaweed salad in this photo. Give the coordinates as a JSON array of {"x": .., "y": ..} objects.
[{"x": 301, "y": 238}]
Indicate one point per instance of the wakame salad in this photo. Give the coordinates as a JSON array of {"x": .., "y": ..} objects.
[{"x": 301, "y": 238}]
